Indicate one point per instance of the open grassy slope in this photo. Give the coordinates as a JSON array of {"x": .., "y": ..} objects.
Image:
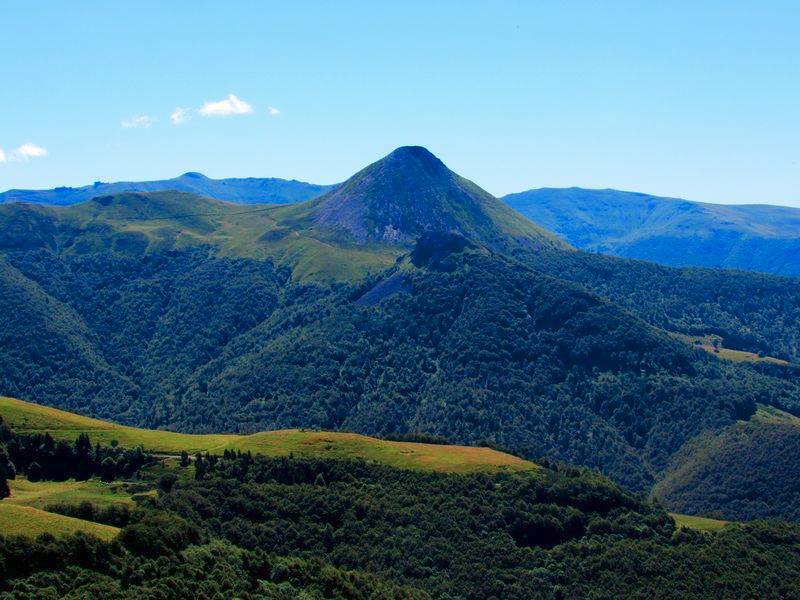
[
  {"x": 25, "y": 520},
  {"x": 42, "y": 493},
  {"x": 26, "y": 417},
  {"x": 145, "y": 223},
  {"x": 698, "y": 523},
  {"x": 713, "y": 345}
]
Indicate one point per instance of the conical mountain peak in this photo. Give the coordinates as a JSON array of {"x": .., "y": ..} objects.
[
  {"x": 409, "y": 192},
  {"x": 415, "y": 157}
]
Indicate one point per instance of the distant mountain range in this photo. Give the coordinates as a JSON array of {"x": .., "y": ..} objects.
[
  {"x": 249, "y": 190},
  {"x": 670, "y": 231}
]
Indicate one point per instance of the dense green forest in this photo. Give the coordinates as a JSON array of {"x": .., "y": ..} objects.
[
  {"x": 286, "y": 528},
  {"x": 40, "y": 457},
  {"x": 406, "y": 301},
  {"x": 745, "y": 471},
  {"x": 470, "y": 346},
  {"x": 750, "y": 311}
]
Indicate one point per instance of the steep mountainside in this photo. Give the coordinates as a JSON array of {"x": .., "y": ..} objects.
[
  {"x": 361, "y": 226},
  {"x": 469, "y": 345},
  {"x": 250, "y": 190},
  {"x": 750, "y": 311},
  {"x": 669, "y": 230},
  {"x": 409, "y": 192}
]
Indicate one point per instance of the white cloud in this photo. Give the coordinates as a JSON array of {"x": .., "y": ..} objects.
[
  {"x": 2, "y": 156},
  {"x": 180, "y": 115},
  {"x": 223, "y": 108},
  {"x": 29, "y": 150},
  {"x": 273, "y": 112},
  {"x": 140, "y": 121}
]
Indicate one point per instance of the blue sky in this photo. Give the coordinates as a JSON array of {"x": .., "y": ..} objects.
[{"x": 696, "y": 99}]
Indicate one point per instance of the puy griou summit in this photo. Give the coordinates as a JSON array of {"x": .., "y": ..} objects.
[{"x": 410, "y": 192}]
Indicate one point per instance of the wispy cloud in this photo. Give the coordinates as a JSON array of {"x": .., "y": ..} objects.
[
  {"x": 273, "y": 112},
  {"x": 227, "y": 107},
  {"x": 134, "y": 122},
  {"x": 2, "y": 156},
  {"x": 28, "y": 150},
  {"x": 180, "y": 115}
]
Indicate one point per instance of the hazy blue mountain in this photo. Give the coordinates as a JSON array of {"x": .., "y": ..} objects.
[
  {"x": 249, "y": 190},
  {"x": 668, "y": 230}
]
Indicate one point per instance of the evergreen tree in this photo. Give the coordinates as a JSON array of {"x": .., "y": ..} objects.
[
  {"x": 199, "y": 467},
  {"x": 108, "y": 469},
  {"x": 5, "y": 492},
  {"x": 83, "y": 457},
  {"x": 34, "y": 472}
]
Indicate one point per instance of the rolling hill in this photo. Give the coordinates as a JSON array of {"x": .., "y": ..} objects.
[
  {"x": 29, "y": 418},
  {"x": 670, "y": 231},
  {"x": 250, "y": 190},
  {"x": 361, "y": 226},
  {"x": 28, "y": 521},
  {"x": 321, "y": 527}
]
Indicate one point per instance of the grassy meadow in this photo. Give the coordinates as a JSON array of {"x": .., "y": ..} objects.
[
  {"x": 42, "y": 493},
  {"x": 698, "y": 523},
  {"x": 22, "y": 511},
  {"x": 713, "y": 345},
  {"x": 26, "y": 417},
  {"x": 26, "y": 520}
]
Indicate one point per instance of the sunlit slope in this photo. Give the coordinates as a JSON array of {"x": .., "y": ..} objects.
[
  {"x": 29, "y": 521},
  {"x": 26, "y": 417},
  {"x": 40, "y": 494},
  {"x": 698, "y": 523},
  {"x": 357, "y": 228},
  {"x": 149, "y": 223}
]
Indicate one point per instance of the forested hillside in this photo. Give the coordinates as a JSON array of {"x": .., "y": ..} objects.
[
  {"x": 253, "y": 527},
  {"x": 471, "y": 346},
  {"x": 746, "y": 471},
  {"x": 749, "y": 311},
  {"x": 435, "y": 311}
]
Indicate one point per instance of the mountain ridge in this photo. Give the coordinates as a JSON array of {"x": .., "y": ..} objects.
[
  {"x": 243, "y": 190},
  {"x": 672, "y": 231}
]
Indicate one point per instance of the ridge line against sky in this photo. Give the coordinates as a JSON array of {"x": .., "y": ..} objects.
[{"x": 696, "y": 100}]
